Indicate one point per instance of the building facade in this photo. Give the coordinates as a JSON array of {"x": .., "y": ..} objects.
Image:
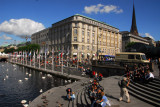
[
  {"x": 80, "y": 36},
  {"x": 133, "y": 35}
]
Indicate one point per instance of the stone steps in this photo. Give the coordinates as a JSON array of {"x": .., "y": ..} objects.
[
  {"x": 148, "y": 93},
  {"x": 146, "y": 88}
]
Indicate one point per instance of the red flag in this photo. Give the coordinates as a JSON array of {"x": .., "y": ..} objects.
[{"x": 61, "y": 54}]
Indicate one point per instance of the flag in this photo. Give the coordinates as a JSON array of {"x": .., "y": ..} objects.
[
  {"x": 37, "y": 52},
  {"x": 30, "y": 53},
  {"x": 61, "y": 54}
]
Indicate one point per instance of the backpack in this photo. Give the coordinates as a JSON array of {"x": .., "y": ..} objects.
[{"x": 119, "y": 84}]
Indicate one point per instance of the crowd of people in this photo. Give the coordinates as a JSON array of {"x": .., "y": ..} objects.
[
  {"x": 139, "y": 73},
  {"x": 96, "y": 94}
]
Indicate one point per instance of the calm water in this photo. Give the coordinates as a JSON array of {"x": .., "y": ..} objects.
[{"x": 12, "y": 92}]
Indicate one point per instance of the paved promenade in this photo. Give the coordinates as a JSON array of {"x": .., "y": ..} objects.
[{"x": 110, "y": 85}]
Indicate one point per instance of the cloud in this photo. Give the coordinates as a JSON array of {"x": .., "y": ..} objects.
[
  {"x": 148, "y": 35},
  {"x": 100, "y": 8},
  {"x": 5, "y": 37},
  {"x": 21, "y": 27}
]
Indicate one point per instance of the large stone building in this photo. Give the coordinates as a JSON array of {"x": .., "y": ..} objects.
[
  {"x": 133, "y": 35},
  {"x": 81, "y": 37}
]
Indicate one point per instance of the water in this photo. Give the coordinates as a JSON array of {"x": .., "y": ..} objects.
[{"x": 12, "y": 92}]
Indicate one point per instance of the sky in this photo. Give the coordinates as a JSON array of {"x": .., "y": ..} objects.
[{"x": 21, "y": 18}]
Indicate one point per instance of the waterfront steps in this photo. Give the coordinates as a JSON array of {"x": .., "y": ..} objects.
[{"x": 149, "y": 93}]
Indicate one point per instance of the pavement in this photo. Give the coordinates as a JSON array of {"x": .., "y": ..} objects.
[{"x": 110, "y": 85}]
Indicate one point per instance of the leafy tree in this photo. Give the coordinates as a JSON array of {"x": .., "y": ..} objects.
[{"x": 130, "y": 44}]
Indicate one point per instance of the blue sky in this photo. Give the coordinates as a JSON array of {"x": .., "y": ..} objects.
[{"x": 24, "y": 17}]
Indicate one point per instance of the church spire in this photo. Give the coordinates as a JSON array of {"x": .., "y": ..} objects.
[{"x": 134, "y": 30}]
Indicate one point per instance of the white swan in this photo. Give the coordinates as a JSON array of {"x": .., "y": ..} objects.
[
  {"x": 23, "y": 101},
  {"x": 69, "y": 80},
  {"x": 25, "y": 105},
  {"x": 41, "y": 91},
  {"x": 65, "y": 81},
  {"x": 43, "y": 77},
  {"x": 26, "y": 78},
  {"x": 19, "y": 80}
]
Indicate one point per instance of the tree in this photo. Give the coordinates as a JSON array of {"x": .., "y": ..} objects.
[{"x": 130, "y": 44}]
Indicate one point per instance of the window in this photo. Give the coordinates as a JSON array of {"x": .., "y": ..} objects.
[
  {"x": 130, "y": 56},
  {"x": 75, "y": 31},
  {"x": 93, "y": 34},
  {"x": 87, "y": 47},
  {"x": 143, "y": 57},
  {"x": 76, "y": 25},
  {"x": 93, "y": 48},
  {"x": 82, "y": 39},
  {"x": 138, "y": 57},
  {"x": 75, "y": 46},
  {"x": 87, "y": 40},
  {"x": 83, "y": 47},
  {"x": 93, "y": 41},
  {"x": 75, "y": 38},
  {"x": 88, "y": 33},
  {"x": 82, "y": 32}
]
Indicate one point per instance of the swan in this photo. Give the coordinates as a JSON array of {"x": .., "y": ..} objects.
[
  {"x": 19, "y": 80},
  {"x": 65, "y": 81},
  {"x": 23, "y": 101},
  {"x": 43, "y": 77},
  {"x": 25, "y": 105},
  {"x": 41, "y": 91},
  {"x": 6, "y": 76},
  {"x": 69, "y": 80},
  {"x": 26, "y": 78}
]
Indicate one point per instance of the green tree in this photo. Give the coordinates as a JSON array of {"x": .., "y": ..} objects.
[{"x": 129, "y": 45}]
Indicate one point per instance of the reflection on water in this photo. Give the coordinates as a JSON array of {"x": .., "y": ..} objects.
[{"x": 15, "y": 87}]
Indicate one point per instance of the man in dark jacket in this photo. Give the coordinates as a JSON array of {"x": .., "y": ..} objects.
[{"x": 124, "y": 85}]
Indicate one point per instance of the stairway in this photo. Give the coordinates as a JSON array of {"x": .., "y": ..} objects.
[{"x": 149, "y": 93}]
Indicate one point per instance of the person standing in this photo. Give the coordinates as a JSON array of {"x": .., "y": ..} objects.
[{"x": 124, "y": 85}]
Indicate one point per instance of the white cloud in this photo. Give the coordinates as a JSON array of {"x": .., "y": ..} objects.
[
  {"x": 21, "y": 27},
  {"x": 5, "y": 37},
  {"x": 148, "y": 35},
  {"x": 100, "y": 8}
]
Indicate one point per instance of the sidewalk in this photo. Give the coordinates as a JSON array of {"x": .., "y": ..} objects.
[{"x": 112, "y": 91}]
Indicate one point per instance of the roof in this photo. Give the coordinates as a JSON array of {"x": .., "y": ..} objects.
[{"x": 94, "y": 20}]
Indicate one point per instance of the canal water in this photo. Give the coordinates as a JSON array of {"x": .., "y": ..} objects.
[{"x": 14, "y": 86}]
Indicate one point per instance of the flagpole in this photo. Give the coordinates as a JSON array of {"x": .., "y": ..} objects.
[
  {"x": 23, "y": 57},
  {"x": 34, "y": 59},
  {"x": 26, "y": 57},
  {"x": 59, "y": 59},
  {"x": 16, "y": 57},
  {"x": 45, "y": 59},
  {"x": 52, "y": 59},
  {"x": 39, "y": 60},
  {"x": 30, "y": 58},
  {"x": 62, "y": 62}
]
